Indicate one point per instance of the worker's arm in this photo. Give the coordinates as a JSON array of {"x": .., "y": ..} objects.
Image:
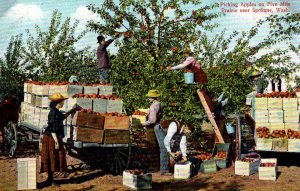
[
  {"x": 170, "y": 133},
  {"x": 187, "y": 62},
  {"x": 183, "y": 146},
  {"x": 55, "y": 140}
]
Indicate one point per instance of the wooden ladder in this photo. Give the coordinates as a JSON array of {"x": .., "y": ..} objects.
[{"x": 210, "y": 116}]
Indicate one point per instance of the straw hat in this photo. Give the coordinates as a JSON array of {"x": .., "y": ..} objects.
[
  {"x": 57, "y": 97},
  {"x": 153, "y": 93}
]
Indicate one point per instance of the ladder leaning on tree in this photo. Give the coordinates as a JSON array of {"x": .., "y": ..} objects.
[{"x": 210, "y": 116}]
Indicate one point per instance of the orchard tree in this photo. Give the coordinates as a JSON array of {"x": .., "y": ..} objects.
[
  {"x": 154, "y": 35},
  {"x": 51, "y": 54},
  {"x": 12, "y": 73}
]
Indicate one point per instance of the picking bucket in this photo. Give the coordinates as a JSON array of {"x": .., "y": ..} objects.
[{"x": 189, "y": 77}]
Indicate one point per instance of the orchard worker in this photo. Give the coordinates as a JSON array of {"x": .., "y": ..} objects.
[
  {"x": 192, "y": 64},
  {"x": 156, "y": 135},
  {"x": 53, "y": 157},
  {"x": 102, "y": 57},
  {"x": 175, "y": 141}
]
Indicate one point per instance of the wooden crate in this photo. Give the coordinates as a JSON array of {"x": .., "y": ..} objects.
[
  {"x": 42, "y": 101},
  {"x": 260, "y": 103},
  {"x": 291, "y": 116},
  {"x": 290, "y": 103},
  {"x": 246, "y": 168},
  {"x": 182, "y": 171},
  {"x": 105, "y": 90},
  {"x": 29, "y": 88},
  {"x": 33, "y": 99},
  {"x": 263, "y": 144},
  {"x": 276, "y": 126},
  {"x": 86, "y": 134},
  {"x": 276, "y": 116},
  {"x": 137, "y": 182},
  {"x": 25, "y": 87},
  {"x": 88, "y": 120},
  {"x": 27, "y": 98},
  {"x": 85, "y": 103},
  {"x": 222, "y": 147},
  {"x": 66, "y": 90},
  {"x": 114, "y": 122},
  {"x": 292, "y": 126},
  {"x": 279, "y": 144},
  {"x": 294, "y": 145},
  {"x": 261, "y": 116},
  {"x": 90, "y": 90},
  {"x": 42, "y": 90},
  {"x": 274, "y": 103},
  {"x": 114, "y": 106},
  {"x": 268, "y": 173},
  {"x": 112, "y": 136},
  {"x": 100, "y": 105},
  {"x": 26, "y": 169},
  {"x": 208, "y": 166},
  {"x": 137, "y": 120}
]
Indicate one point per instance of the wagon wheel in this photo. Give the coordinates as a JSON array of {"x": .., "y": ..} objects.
[
  {"x": 10, "y": 139},
  {"x": 118, "y": 158}
]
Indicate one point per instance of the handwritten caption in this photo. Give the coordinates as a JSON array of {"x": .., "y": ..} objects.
[{"x": 249, "y": 7}]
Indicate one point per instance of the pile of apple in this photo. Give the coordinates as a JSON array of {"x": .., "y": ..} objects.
[
  {"x": 278, "y": 95},
  {"x": 138, "y": 112},
  {"x": 102, "y": 114},
  {"x": 263, "y": 132},
  {"x": 293, "y": 134},
  {"x": 204, "y": 156},
  {"x": 136, "y": 172},
  {"x": 96, "y": 96},
  {"x": 278, "y": 134},
  {"x": 97, "y": 84},
  {"x": 246, "y": 159},
  {"x": 267, "y": 164},
  {"x": 221, "y": 155}
]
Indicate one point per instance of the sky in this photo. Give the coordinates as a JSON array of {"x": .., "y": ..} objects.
[{"x": 18, "y": 15}]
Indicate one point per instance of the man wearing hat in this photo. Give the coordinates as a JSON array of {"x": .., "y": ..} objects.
[
  {"x": 156, "y": 135},
  {"x": 192, "y": 64},
  {"x": 102, "y": 57},
  {"x": 53, "y": 158}
]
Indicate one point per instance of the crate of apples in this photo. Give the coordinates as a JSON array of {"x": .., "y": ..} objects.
[
  {"x": 293, "y": 134},
  {"x": 268, "y": 164},
  {"x": 263, "y": 132},
  {"x": 278, "y": 134},
  {"x": 136, "y": 172},
  {"x": 204, "y": 156},
  {"x": 221, "y": 155}
]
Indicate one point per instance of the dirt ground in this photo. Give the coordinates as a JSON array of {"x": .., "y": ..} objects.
[{"x": 99, "y": 180}]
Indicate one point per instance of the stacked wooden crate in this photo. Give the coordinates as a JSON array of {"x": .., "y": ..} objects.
[{"x": 279, "y": 114}]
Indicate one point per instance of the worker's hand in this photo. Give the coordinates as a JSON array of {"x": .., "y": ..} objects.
[
  {"x": 173, "y": 155},
  {"x": 76, "y": 107},
  {"x": 118, "y": 34},
  {"x": 56, "y": 145},
  {"x": 169, "y": 68}
]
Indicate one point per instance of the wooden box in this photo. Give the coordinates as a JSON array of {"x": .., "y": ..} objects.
[
  {"x": 294, "y": 145},
  {"x": 112, "y": 136},
  {"x": 276, "y": 116},
  {"x": 279, "y": 144},
  {"x": 208, "y": 166},
  {"x": 182, "y": 171},
  {"x": 261, "y": 116},
  {"x": 114, "y": 106},
  {"x": 290, "y": 103},
  {"x": 86, "y": 134},
  {"x": 137, "y": 120},
  {"x": 29, "y": 88},
  {"x": 263, "y": 144},
  {"x": 268, "y": 173},
  {"x": 88, "y": 120},
  {"x": 114, "y": 122},
  {"x": 292, "y": 126},
  {"x": 27, "y": 98},
  {"x": 137, "y": 182},
  {"x": 85, "y": 103},
  {"x": 100, "y": 105},
  {"x": 275, "y": 103},
  {"x": 26, "y": 169},
  {"x": 246, "y": 168},
  {"x": 42, "y": 90},
  {"x": 66, "y": 90},
  {"x": 276, "y": 126},
  {"x": 222, "y": 147},
  {"x": 260, "y": 103},
  {"x": 291, "y": 116},
  {"x": 25, "y": 87},
  {"x": 90, "y": 90},
  {"x": 262, "y": 125},
  {"x": 105, "y": 90},
  {"x": 42, "y": 101}
]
